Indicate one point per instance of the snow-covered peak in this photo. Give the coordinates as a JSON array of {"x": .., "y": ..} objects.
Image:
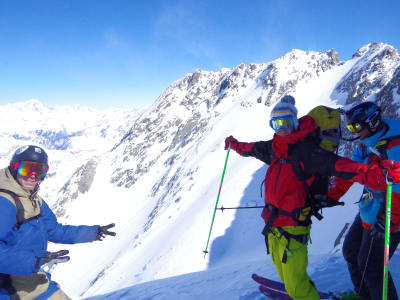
[
  {"x": 374, "y": 67},
  {"x": 373, "y": 48}
]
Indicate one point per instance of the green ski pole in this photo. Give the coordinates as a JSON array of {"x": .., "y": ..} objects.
[
  {"x": 387, "y": 239},
  {"x": 216, "y": 203}
]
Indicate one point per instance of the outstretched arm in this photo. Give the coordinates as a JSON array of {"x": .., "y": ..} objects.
[
  {"x": 67, "y": 234},
  {"x": 372, "y": 175},
  {"x": 261, "y": 150}
]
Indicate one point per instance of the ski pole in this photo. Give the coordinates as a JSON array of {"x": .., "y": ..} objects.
[
  {"x": 216, "y": 203},
  {"x": 239, "y": 207},
  {"x": 387, "y": 238}
]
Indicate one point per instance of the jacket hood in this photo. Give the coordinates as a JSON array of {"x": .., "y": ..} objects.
[
  {"x": 280, "y": 144},
  {"x": 8, "y": 182}
]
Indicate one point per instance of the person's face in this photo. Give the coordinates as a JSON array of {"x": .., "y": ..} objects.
[
  {"x": 28, "y": 183},
  {"x": 284, "y": 132},
  {"x": 30, "y": 173},
  {"x": 365, "y": 133}
]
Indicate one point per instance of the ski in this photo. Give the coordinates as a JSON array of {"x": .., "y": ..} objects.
[
  {"x": 273, "y": 294},
  {"x": 269, "y": 283},
  {"x": 277, "y": 289}
]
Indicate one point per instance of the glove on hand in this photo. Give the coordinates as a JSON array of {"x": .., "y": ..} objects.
[
  {"x": 103, "y": 232},
  {"x": 392, "y": 168},
  {"x": 378, "y": 229},
  {"x": 51, "y": 258},
  {"x": 231, "y": 140}
]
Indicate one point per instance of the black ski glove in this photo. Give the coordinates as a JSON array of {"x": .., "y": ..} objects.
[
  {"x": 51, "y": 258},
  {"x": 378, "y": 229},
  {"x": 103, "y": 231}
]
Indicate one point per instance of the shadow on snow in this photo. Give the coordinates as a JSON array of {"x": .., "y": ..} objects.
[{"x": 243, "y": 239}]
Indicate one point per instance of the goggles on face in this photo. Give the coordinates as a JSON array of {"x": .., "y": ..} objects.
[
  {"x": 31, "y": 168},
  {"x": 282, "y": 122},
  {"x": 355, "y": 127}
]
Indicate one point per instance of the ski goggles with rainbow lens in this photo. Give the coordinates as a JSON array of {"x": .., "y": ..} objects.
[
  {"x": 355, "y": 127},
  {"x": 32, "y": 168},
  {"x": 286, "y": 122}
]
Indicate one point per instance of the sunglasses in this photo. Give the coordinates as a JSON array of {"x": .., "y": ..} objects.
[
  {"x": 282, "y": 122},
  {"x": 31, "y": 168},
  {"x": 355, "y": 127}
]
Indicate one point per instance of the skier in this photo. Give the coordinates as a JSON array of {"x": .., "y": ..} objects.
[
  {"x": 27, "y": 224},
  {"x": 293, "y": 161},
  {"x": 363, "y": 247}
]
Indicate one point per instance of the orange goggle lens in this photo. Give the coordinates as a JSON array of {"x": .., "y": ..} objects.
[
  {"x": 355, "y": 128},
  {"x": 31, "y": 168}
]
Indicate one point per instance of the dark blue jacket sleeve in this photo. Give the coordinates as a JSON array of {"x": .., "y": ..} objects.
[
  {"x": 13, "y": 260},
  {"x": 66, "y": 234}
]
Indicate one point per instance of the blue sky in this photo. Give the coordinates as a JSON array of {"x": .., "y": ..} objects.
[{"x": 124, "y": 53}]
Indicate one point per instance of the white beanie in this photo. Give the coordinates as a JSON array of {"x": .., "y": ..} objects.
[{"x": 285, "y": 107}]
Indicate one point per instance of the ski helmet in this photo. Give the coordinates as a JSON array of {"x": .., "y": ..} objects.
[
  {"x": 27, "y": 153},
  {"x": 366, "y": 114}
]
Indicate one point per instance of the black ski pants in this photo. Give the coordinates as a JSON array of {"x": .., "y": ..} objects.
[{"x": 363, "y": 252}]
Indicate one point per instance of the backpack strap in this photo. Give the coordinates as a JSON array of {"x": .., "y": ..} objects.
[
  {"x": 302, "y": 238},
  {"x": 20, "y": 216},
  {"x": 5, "y": 283},
  {"x": 20, "y": 208},
  {"x": 296, "y": 214},
  {"x": 310, "y": 200}
]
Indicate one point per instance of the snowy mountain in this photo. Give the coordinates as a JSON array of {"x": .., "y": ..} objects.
[
  {"x": 156, "y": 173},
  {"x": 71, "y": 135}
]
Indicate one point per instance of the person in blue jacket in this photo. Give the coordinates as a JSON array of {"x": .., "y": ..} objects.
[
  {"x": 27, "y": 224},
  {"x": 363, "y": 247}
]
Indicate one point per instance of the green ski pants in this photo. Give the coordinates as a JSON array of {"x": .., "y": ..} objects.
[{"x": 294, "y": 271}]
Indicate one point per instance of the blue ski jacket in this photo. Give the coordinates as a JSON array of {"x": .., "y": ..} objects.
[
  {"x": 22, "y": 245},
  {"x": 371, "y": 201}
]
